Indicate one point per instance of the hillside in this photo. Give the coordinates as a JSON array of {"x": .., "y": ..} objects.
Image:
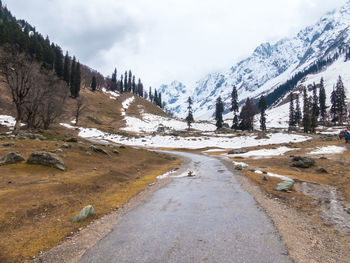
[{"x": 269, "y": 66}]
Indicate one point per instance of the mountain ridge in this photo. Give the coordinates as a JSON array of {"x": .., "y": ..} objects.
[{"x": 269, "y": 66}]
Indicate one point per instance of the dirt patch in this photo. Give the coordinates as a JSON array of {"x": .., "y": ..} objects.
[{"x": 38, "y": 203}]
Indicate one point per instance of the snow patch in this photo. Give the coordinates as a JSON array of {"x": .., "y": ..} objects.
[
  {"x": 264, "y": 152},
  {"x": 329, "y": 150}
]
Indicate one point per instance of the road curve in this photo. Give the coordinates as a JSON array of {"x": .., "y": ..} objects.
[{"x": 206, "y": 218}]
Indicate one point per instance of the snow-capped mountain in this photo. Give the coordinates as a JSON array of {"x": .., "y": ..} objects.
[{"x": 269, "y": 66}]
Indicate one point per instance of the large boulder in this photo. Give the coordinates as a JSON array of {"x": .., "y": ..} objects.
[
  {"x": 47, "y": 159},
  {"x": 237, "y": 151},
  {"x": 11, "y": 158},
  {"x": 86, "y": 212},
  {"x": 302, "y": 162}
]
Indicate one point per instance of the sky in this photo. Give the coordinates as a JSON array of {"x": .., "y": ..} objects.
[{"x": 166, "y": 40}]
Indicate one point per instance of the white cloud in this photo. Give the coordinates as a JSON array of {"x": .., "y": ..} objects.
[{"x": 162, "y": 40}]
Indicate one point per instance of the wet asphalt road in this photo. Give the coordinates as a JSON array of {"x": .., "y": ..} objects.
[{"x": 206, "y": 218}]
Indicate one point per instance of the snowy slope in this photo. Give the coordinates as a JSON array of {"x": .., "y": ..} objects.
[
  {"x": 269, "y": 66},
  {"x": 278, "y": 116}
]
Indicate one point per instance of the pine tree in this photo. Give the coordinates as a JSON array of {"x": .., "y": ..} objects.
[
  {"x": 160, "y": 104},
  {"x": 297, "y": 111},
  {"x": 150, "y": 94},
  {"x": 58, "y": 62},
  {"x": 134, "y": 85},
  {"x": 129, "y": 81},
  {"x": 306, "y": 113},
  {"x": 291, "y": 112},
  {"x": 218, "y": 113},
  {"x": 189, "y": 117},
  {"x": 66, "y": 69},
  {"x": 262, "y": 107},
  {"x": 234, "y": 108},
  {"x": 155, "y": 99},
  {"x": 114, "y": 80},
  {"x": 72, "y": 77},
  {"x": 322, "y": 101},
  {"x": 341, "y": 97},
  {"x": 315, "y": 109},
  {"x": 77, "y": 81},
  {"x": 121, "y": 83},
  {"x": 93, "y": 83},
  {"x": 247, "y": 116},
  {"x": 140, "y": 88},
  {"x": 126, "y": 81}
]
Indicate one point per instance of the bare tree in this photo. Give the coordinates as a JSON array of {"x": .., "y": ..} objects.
[
  {"x": 19, "y": 73},
  {"x": 79, "y": 109}
]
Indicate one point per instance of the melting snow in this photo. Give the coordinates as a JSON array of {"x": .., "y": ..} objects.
[
  {"x": 7, "y": 121},
  {"x": 330, "y": 150},
  {"x": 125, "y": 105},
  {"x": 265, "y": 152}
]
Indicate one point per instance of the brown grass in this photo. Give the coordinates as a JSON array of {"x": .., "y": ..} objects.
[{"x": 38, "y": 203}]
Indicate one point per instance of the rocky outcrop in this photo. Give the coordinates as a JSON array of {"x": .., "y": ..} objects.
[
  {"x": 302, "y": 162},
  {"x": 98, "y": 150},
  {"x": 11, "y": 158},
  {"x": 46, "y": 159},
  {"x": 86, "y": 212}
]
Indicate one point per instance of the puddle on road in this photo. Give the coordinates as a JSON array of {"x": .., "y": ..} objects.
[{"x": 334, "y": 211}]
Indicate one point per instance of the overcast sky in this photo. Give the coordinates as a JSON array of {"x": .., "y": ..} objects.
[{"x": 164, "y": 40}]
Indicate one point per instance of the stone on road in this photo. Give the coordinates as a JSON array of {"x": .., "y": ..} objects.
[{"x": 206, "y": 218}]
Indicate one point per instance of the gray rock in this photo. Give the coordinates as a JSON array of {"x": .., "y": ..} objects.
[
  {"x": 72, "y": 140},
  {"x": 285, "y": 186},
  {"x": 86, "y": 212},
  {"x": 302, "y": 162},
  {"x": 98, "y": 150},
  {"x": 321, "y": 171},
  {"x": 239, "y": 167},
  {"x": 46, "y": 159},
  {"x": 261, "y": 135},
  {"x": 11, "y": 158},
  {"x": 115, "y": 151},
  {"x": 57, "y": 151},
  {"x": 237, "y": 151},
  {"x": 66, "y": 146},
  {"x": 9, "y": 144}
]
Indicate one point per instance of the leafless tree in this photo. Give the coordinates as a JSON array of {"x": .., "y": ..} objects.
[
  {"x": 19, "y": 73},
  {"x": 79, "y": 109}
]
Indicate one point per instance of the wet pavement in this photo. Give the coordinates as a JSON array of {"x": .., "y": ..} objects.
[{"x": 205, "y": 218}]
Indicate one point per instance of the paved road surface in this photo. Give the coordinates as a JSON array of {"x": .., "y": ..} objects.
[{"x": 207, "y": 218}]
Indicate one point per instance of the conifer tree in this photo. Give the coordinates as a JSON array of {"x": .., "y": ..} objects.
[
  {"x": 72, "y": 77},
  {"x": 126, "y": 81},
  {"x": 247, "y": 116},
  {"x": 155, "y": 99},
  {"x": 140, "y": 88},
  {"x": 189, "y": 117},
  {"x": 322, "y": 101},
  {"x": 262, "y": 107},
  {"x": 77, "y": 81},
  {"x": 291, "y": 111},
  {"x": 133, "y": 85},
  {"x": 315, "y": 109},
  {"x": 93, "y": 83},
  {"x": 121, "y": 83},
  {"x": 297, "y": 111},
  {"x": 160, "y": 104},
  {"x": 234, "y": 108},
  {"x": 66, "y": 69},
  {"x": 114, "y": 80},
  {"x": 150, "y": 94},
  {"x": 341, "y": 97},
  {"x": 306, "y": 113},
  {"x": 129, "y": 81},
  {"x": 58, "y": 62},
  {"x": 218, "y": 113}
]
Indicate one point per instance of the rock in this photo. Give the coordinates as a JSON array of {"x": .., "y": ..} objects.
[
  {"x": 98, "y": 150},
  {"x": 265, "y": 178},
  {"x": 11, "y": 158},
  {"x": 321, "y": 171},
  {"x": 72, "y": 140},
  {"x": 302, "y": 162},
  {"x": 190, "y": 174},
  {"x": 323, "y": 158},
  {"x": 239, "y": 167},
  {"x": 46, "y": 159},
  {"x": 122, "y": 147},
  {"x": 237, "y": 151},
  {"x": 57, "y": 151},
  {"x": 285, "y": 186},
  {"x": 86, "y": 212},
  {"x": 9, "y": 144},
  {"x": 115, "y": 151},
  {"x": 66, "y": 146}
]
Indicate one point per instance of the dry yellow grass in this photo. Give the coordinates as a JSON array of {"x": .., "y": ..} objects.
[{"x": 38, "y": 203}]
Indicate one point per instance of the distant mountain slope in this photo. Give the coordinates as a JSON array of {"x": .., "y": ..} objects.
[{"x": 269, "y": 66}]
